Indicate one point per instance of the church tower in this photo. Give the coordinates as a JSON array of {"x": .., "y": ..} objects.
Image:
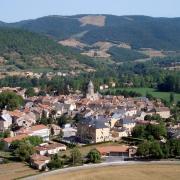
[{"x": 90, "y": 90}]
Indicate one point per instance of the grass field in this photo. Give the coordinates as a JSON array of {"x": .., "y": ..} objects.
[
  {"x": 157, "y": 94},
  {"x": 130, "y": 172}
]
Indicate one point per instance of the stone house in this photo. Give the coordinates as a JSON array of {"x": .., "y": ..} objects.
[{"x": 93, "y": 130}]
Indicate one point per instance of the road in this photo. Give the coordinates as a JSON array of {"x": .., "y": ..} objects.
[{"x": 104, "y": 164}]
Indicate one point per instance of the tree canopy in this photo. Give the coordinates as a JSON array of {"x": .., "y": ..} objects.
[{"x": 10, "y": 100}]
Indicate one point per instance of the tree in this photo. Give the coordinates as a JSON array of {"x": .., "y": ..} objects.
[
  {"x": 42, "y": 93},
  {"x": 55, "y": 162},
  {"x": 2, "y": 144},
  {"x": 76, "y": 157},
  {"x": 149, "y": 96},
  {"x": 5, "y": 134},
  {"x": 139, "y": 131},
  {"x": 43, "y": 119},
  {"x": 24, "y": 151},
  {"x": 155, "y": 150},
  {"x": 62, "y": 120},
  {"x": 171, "y": 98},
  {"x": 94, "y": 156},
  {"x": 174, "y": 147},
  {"x": 10, "y": 100},
  {"x": 34, "y": 140},
  {"x": 148, "y": 118},
  {"x": 143, "y": 149},
  {"x": 156, "y": 131},
  {"x": 30, "y": 92}
]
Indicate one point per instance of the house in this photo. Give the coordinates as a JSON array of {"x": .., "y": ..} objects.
[
  {"x": 59, "y": 108},
  {"x": 38, "y": 161},
  {"x": 16, "y": 114},
  {"x": 9, "y": 140},
  {"x": 93, "y": 130},
  {"x": 112, "y": 84},
  {"x": 123, "y": 151},
  {"x": 50, "y": 148},
  {"x": 103, "y": 86},
  {"x": 26, "y": 120},
  {"x": 116, "y": 116},
  {"x": 127, "y": 123},
  {"x": 131, "y": 111},
  {"x": 118, "y": 133},
  {"x": 69, "y": 131},
  {"x": 5, "y": 121},
  {"x": 164, "y": 112},
  {"x": 37, "y": 130},
  {"x": 55, "y": 129}
]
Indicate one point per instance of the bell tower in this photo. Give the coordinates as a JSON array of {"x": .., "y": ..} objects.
[{"x": 90, "y": 89}]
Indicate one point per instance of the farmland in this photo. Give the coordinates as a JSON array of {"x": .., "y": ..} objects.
[
  {"x": 15, "y": 170},
  {"x": 124, "y": 172},
  {"x": 156, "y": 94}
]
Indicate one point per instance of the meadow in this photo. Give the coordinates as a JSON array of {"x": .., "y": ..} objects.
[
  {"x": 154, "y": 92},
  {"x": 123, "y": 172}
]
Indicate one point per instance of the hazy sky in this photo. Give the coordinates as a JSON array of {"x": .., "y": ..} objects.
[{"x": 15, "y": 10}]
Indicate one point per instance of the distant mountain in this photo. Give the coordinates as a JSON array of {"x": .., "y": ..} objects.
[
  {"x": 136, "y": 31},
  {"x": 21, "y": 49},
  {"x": 2, "y": 23}
]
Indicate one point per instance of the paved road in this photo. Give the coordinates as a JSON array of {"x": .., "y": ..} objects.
[{"x": 104, "y": 164}]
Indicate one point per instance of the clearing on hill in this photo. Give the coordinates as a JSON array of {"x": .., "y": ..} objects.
[{"x": 93, "y": 20}]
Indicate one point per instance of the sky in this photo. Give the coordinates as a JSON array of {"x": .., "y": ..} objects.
[{"x": 16, "y": 10}]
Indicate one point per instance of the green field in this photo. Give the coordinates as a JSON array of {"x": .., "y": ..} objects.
[{"x": 156, "y": 94}]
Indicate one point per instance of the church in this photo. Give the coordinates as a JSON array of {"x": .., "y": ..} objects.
[{"x": 90, "y": 92}]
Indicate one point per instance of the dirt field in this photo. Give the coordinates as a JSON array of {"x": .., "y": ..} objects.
[
  {"x": 133, "y": 172},
  {"x": 15, "y": 170}
]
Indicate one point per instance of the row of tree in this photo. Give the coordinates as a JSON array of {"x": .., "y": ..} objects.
[
  {"x": 75, "y": 159},
  {"x": 154, "y": 149}
]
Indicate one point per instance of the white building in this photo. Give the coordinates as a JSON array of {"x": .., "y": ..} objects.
[
  {"x": 50, "y": 149},
  {"x": 37, "y": 130},
  {"x": 5, "y": 121}
]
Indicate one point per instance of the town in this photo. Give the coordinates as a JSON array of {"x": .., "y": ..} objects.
[{"x": 47, "y": 126}]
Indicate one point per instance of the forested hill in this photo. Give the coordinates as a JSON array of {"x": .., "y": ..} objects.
[
  {"x": 137, "y": 31},
  {"x": 25, "y": 43},
  {"x": 24, "y": 50}
]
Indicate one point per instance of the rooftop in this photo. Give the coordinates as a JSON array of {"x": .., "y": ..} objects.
[
  {"x": 108, "y": 149},
  {"x": 16, "y": 138}
]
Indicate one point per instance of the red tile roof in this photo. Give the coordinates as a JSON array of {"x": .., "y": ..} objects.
[
  {"x": 16, "y": 113},
  {"x": 31, "y": 129},
  {"x": 107, "y": 149},
  {"x": 38, "y": 127},
  {"x": 38, "y": 157},
  {"x": 11, "y": 139}
]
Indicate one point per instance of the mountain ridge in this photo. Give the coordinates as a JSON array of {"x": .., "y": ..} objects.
[{"x": 138, "y": 31}]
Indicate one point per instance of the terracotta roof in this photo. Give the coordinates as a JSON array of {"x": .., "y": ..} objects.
[
  {"x": 38, "y": 127},
  {"x": 44, "y": 106},
  {"x": 108, "y": 149},
  {"x": 38, "y": 157},
  {"x": 11, "y": 139},
  {"x": 31, "y": 129},
  {"x": 16, "y": 113}
]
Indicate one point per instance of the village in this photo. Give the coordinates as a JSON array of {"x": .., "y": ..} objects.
[{"x": 82, "y": 120}]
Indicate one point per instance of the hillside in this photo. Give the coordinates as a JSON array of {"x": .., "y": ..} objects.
[
  {"x": 137, "y": 31},
  {"x": 20, "y": 49}
]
